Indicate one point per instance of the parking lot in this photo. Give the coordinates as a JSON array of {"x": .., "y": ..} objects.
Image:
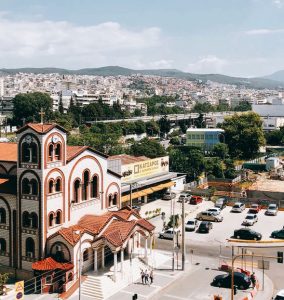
[{"x": 225, "y": 229}]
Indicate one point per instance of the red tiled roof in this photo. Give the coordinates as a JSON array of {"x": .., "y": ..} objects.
[
  {"x": 49, "y": 264},
  {"x": 145, "y": 224},
  {"x": 70, "y": 235},
  {"x": 8, "y": 152},
  {"x": 40, "y": 128},
  {"x": 73, "y": 151},
  {"x": 3, "y": 180},
  {"x": 93, "y": 223}
]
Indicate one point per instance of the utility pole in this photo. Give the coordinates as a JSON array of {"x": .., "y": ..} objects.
[
  {"x": 130, "y": 198},
  {"x": 183, "y": 237}
]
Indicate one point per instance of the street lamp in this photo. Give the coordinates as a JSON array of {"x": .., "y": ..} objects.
[{"x": 80, "y": 260}]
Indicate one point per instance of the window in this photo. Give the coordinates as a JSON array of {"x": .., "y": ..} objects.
[
  {"x": 114, "y": 200},
  {"x": 58, "y": 185},
  {"x": 50, "y": 152},
  {"x": 70, "y": 276},
  {"x": 3, "y": 246},
  {"x": 51, "y": 219},
  {"x": 86, "y": 255},
  {"x": 25, "y": 186},
  {"x": 85, "y": 191},
  {"x": 29, "y": 187},
  {"x": 58, "y": 152},
  {"x": 76, "y": 190},
  {"x": 50, "y": 186},
  {"x": 33, "y": 187},
  {"x": 34, "y": 220},
  {"x": 95, "y": 182},
  {"x": 29, "y": 152},
  {"x": 26, "y": 219},
  {"x": 110, "y": 200},
  {"x": 58, "y": 217},
  {"x": 2, "y": 215},
  {"x": 30, "y": 247},
  {"x": 48, "y": 279}
]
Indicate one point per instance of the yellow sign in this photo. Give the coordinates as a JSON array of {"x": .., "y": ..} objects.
[
  {"x": 19, "y": 288},
  {"x": 145, "y": 168}
]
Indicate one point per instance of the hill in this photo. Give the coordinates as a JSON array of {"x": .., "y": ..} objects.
[
  {"x": 279, "y": 76},
  {"x": 258, "y": 83}
]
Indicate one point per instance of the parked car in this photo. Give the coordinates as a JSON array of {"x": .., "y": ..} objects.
[
  {"x": 221, "y": 203},
  {"x": 195, "y": 200},
  {"x": 209, "y": 216},
  {"x": 256, "y": 207},
  {"x": 242, "y": 281},
  {"x": 278, "y": 234},
  {"x": 184, "y": 197},
  {"x": 250, "y": 219},
  {"x": 215, "y": 211},
  {"x": 272, "y": 210},
  {"x": 168, "y": 233},
  {"x": 205, "y": 227},
  {"x": 191, "y": 225},
  {"x": 169, "y": 196},
  {"x": 238, "y": 207},
  {"x": 247, "y": 234},
  {"x": 279, "y": 295},
  {"x": 252, "y": 211}
]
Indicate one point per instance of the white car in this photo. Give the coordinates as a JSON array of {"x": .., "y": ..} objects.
[
  {"x": 272, "y": 210},
  {"x": 279, "y": 295},
  {"x": 168, "y": 234},
  {"x": 238, "y": 207},
  {"x": 250, "y": 219},
  {"x": 215, "y": 211},
  {"x": 184, "y": 197},
  {"x": 191, "y": 225}
]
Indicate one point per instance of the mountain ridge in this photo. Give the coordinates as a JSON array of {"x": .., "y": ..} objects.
[{"x": 257, "y": 82}]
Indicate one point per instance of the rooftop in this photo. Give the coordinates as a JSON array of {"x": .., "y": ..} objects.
[
  {"x": 127, "y": 159},
  {"x": 206, "y": 129}
]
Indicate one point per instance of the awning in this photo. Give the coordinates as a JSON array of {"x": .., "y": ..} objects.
[{"x": 168, "y": 184}]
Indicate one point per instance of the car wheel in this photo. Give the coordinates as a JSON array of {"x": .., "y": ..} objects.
[
  {"x": 241, "y": 287},
  {"x": 161, "y": 236},
  {"x": 255, "y": 239},
  {"x": 218, "y": 284},
  {"x": 238, "y": 237}
]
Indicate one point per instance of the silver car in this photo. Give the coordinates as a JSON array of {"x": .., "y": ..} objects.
[
  {"x": 169, "y": 196},
  {"x": 272, "y": 210},
  {"x": 191, "y": 225}
]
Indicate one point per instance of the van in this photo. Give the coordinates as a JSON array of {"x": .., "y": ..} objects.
[{"x": 221, "y": 203}]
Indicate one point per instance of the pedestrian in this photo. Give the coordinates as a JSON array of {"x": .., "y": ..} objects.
[
  {"x": 142, "y": 276},
  {"x": 146, "y": 277},
  {"x": 151, "y": 276},
  {"x": 253, "y": 279}
]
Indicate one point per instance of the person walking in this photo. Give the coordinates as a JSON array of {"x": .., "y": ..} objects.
[
  {"x": 253, "y": 280},
  {"x": 151, "y": 276},
  {"x": 142, "y": 276},
  {"x": 146, "y": 277}
]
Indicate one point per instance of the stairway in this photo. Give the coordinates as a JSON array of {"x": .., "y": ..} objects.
[{"x": 92, "y": 288}]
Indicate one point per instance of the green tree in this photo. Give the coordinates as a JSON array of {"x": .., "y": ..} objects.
[
  {"x": 140, "y": 127},
  {"x": 214, "y": 167},
  {"x": 152, "y": 128},
  {"x": 28, "y": 106},
  {"x": 243, "y": 106},
  {"x": 149, "y": 148},
  {"x": 220, "y": 150},
  {"x": 60, "y": 106},
  {"x": 275, "y": 137},
  {"x": 165, "y": 125},
  {"x": 203, "y": 108},
  {"x": 244, "y": 135}
]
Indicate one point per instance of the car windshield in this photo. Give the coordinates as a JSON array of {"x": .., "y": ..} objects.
[
  {"x": 236, "y": 206},
  {"x": 279, "y": 297},
  {"x": 272, "y": 207},
  {"x": 249, "y": 217},
  {"x": 190, "y": 222}
]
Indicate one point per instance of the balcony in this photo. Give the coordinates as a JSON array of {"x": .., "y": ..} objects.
[{"x": 86, "y": 203}]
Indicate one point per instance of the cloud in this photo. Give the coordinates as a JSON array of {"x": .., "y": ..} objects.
[
  {"x": 278, "y": 3},
  {"x": 263, "y": 31},
  {"x": 207, "y": 64},
  {"x": 47, "y": 43}
]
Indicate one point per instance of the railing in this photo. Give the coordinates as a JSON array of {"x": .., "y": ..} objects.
[{"x": 84, "y": 203}]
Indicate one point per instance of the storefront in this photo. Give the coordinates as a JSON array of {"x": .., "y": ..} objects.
[{"x": 144, "y": 179}]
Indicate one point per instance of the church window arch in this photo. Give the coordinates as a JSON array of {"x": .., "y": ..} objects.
[
  {"x": 86, "y": 185},
  {"x": 77, "y": 186},
  {"x": 50, "y": 186},
  {"x": 110, "y": 200},
  {"x": 114, "y": 199},
  {"x": 3, "y": 246},
  {"x": 58, "y": 151},
  {"x": 51, "y": 219},
  {"x": 58, "y": 217},
  {"x": 34, "y": 220},
  {"x": 26, "y": 221},
  {"x": 58, "y": 185},
  {"x": 30, "y": 247},
  {"x": 50, "y": 152},
  {"x": 29, "y": 151},
  {"x": 95, "y": 187},
  {"x": 34, "y": 187},
  {"x": 86, "y": 255}
]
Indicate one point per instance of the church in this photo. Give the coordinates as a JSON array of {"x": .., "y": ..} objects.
[{"x": 60, "y": 210}]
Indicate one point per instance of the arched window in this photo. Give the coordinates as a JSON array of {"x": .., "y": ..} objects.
[
  {"x": 76, "y": 190},
  {"x": 50, "y": 186},
  {"x": 85, "y": 191},
  {"x": 95, "y": 187},
  {"x": 34, "y": 220},
  {"x": 26, "y": 186},
  {"x": 2, "y": 215},
  {"x": 3, "y": 246},
  {"x": 85, "y": 255},
  {"x": 58, "y": 217},
  {"x": 26, "y": 221},
  {"x": 58, "y": 185},
  {"x": 110, "y": 200},
  {"x": 33, "y": 147},
  {"x": 114, "y": 200},
  {"x": 26, "y": 153},
  {"x": 33, "y": 187},
  {"x": 30, "y": 247},
  {"x": 50, "y": 152},
  {"x": 70, "y": 276},
  {"x": 58, "y": 151},
  {"x": 51, "y": 219}
]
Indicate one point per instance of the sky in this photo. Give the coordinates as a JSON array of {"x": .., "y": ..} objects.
[{"x": 233, "y": 37}]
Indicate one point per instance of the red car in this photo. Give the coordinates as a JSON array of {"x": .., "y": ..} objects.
[
  {"x": 255, "y": 207},
  {"x": 195, "y": 200}
]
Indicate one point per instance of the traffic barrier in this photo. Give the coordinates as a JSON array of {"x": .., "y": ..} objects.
[{"x": 255, "y": 242}]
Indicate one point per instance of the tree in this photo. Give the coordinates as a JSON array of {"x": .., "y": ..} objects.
[
  {"x": 165, "y": 125},
  {"x": 244, "y": 135},
  {"x": 60, "y": 106},
  {"x": 149, "y": 148},
  {"x": 214, "y": 167},
  {"x": 220, "y": 150},
  {"x": 27, "y": 107},
  {"x": 152, "y": 128},
  {"x": 243, "y": 106},
  {"x": 203, "y": 108},
  {"x": 275, "y": 137},
  {"x": 140, "y": 127}
]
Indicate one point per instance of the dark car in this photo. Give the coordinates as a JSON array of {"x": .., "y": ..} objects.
[
  {"x": 242, "y": 281},
  {"x": 205, "y": 227},
  {"x": 278, "y": 234},
  {"x": 247, "y": 234}
]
